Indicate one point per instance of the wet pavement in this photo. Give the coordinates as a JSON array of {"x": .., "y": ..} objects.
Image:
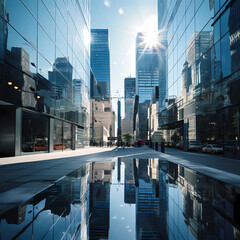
[
  {"x": 33, "y": 173},
  {"x": 126, "y": 198}
]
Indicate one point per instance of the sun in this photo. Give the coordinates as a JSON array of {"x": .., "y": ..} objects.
[{"x": 151, "y": 39}]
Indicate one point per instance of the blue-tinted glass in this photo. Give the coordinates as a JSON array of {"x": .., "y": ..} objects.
[
  {"x": 222, "y": 2},
  {"x": 44, "y": 66},
  {"x": 180, "y": 65},
  {"x": 62, "y": 8},
  {"x": 216, "y": 6},
  {"x": 50, "y": 5},
  {"x": 203, "y": 16},
  {"x": 22, "y": 20},
  {"x": 100, "y": 59},
  {"x": 25, "y": 60},
  {"x": 170, "y": 62},
  {"x": 71, "y": 25},
  {"x": 181, "y": 12},
  {"x": 32, "y": 6},
  {"x": 217, "y": 31},
  {"x": 226, "y": 55},
  {"x": 46, "y": 21},
  {"x": 190, "y": 13},
  {"x": 181, "y": 46},
  {"x": 61, "y": 44},
  {"x": 216, "y": 62},
  {"x": 179, "y": 87},
  {"x": 188, "y": 2},
  {"x": 61, "y": 23},
  {"x": 175, "y": 73},
  {"x": 225, "y": 23},
  {"x": 198, "y": 3},
  {"x": 190, "y": 33},
  {"x": 46, "y": 46}
]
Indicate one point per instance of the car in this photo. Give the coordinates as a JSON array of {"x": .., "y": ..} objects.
[
  {"x": 27, "y": 147},
  {"x": 180, "y": 145},
  {"x": 194, "y": 146},
  {"x": 40, "y": 147},
  {"x": 213, "y": 148},
  {"x": 58, "y": 146},
  {"x": 172, "y": 144}
]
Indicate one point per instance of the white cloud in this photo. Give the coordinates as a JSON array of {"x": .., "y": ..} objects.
[
  {"x": 122, "y": 62},
  {"x": 120, "y": 11},
  {"x": 107, "y": 3}
]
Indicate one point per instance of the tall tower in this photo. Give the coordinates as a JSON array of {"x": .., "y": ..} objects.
[
  {"x": 150, "y": 72},
  {"x": 129, "y": 99},
  {"x": 147, "y": 67},
  {"x": 100, "y": 61}
]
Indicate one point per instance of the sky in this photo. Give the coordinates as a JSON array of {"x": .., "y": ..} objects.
[{"x": 123, "y": 18}]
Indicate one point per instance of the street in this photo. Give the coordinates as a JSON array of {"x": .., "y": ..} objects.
[{"x": 36, "y": 172}]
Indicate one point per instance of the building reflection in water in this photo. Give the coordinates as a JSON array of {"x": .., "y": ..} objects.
[
  {"x": 169, "y": 201},
  {"x": 61, "y": 211},
  {"x": 100, "y": 182}
]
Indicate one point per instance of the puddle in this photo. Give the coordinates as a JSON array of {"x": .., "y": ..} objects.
[{"x": 128, "y": 199}]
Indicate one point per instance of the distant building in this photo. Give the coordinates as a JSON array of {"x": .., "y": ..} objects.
[
  {"x": 147, "y": 67},
  {"x": 150, "y": 72},
  {"x": 100, "y": 61},
  {"x": 129, "y": 96},
  {"x": 102, "y": 121}
]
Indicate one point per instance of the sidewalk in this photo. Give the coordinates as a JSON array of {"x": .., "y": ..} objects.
[{"x": 23, "y": 177}]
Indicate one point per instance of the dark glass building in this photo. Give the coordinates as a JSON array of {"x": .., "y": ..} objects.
[
  {"x": 100, "y": 61},
  {"x": 203, "y": 71},
  {"x": 44, "y": 75}
]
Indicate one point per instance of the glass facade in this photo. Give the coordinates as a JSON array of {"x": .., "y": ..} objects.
[
  {"x": 150, "y": 72},
  {"x": 129, "y": 87},
  {"x": 45, "y": 61},
  {"x": 100, "y": 61},
  {"x": 148, "y": 62},
  {"x": 203, "y": 70},
  {"x": 129, "y": 95}
]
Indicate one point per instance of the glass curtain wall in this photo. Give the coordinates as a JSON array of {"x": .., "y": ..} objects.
[
  {"x": 203, "y": 69},
  {"x": 34, "y": 133},
  {"x": 44, "y": 57}
]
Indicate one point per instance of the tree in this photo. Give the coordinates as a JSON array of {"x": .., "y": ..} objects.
[{"x": 127, "y": 138}]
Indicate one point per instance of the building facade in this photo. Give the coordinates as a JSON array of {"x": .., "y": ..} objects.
[
  {"x": 102, "y": 121},
  {"x": 129, "y": 97},
  {"x": 44, "y": 76},
  {"x": 100, "y": 61},
  {"x": 203, "y": 70},
  {"x": 150, "y": 72}
]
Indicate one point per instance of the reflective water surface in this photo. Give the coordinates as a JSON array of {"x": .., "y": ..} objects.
[{"x": 128, "y": 199}]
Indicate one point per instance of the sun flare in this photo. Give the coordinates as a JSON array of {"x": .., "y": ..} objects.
[{"x": 151, "y": 39}]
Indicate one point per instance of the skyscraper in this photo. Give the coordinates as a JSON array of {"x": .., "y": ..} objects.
[
  {"x": 40, "y": 55},
  {"x": 150, "y": 72},
  {"x": 100, "y": 61},
  {"x": 203, "y": 70},
  {"x": 129, "y": 96},
  {"x": 147, "y": 67}
]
